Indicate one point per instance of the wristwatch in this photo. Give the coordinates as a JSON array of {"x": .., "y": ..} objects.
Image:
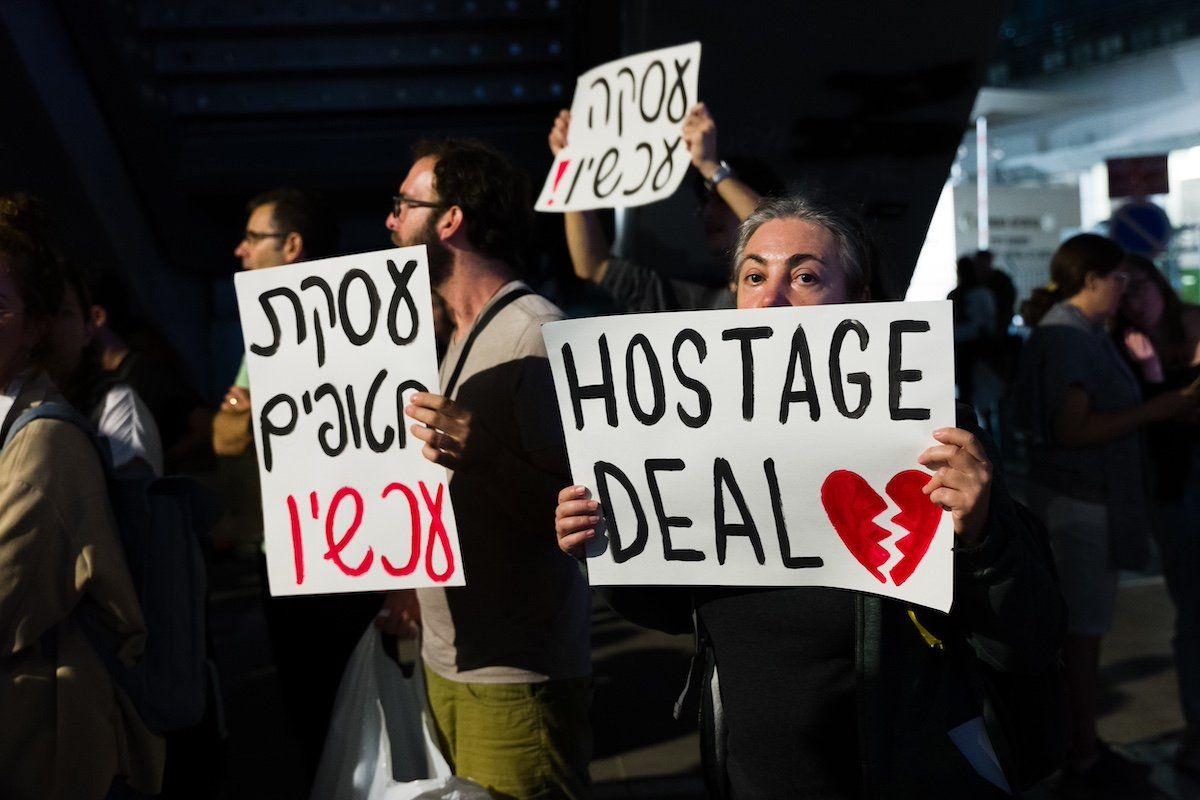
[{"x": 723, "y": 171}]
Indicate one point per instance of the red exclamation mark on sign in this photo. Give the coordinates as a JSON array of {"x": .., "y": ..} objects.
[{"x": 562, "y": 168}]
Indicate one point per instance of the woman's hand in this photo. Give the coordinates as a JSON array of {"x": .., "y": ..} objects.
[
  {"x": 559, "y": 131},
  {"x": 700, "y": 138},
  {"x": 575, "y": 519},
  {"x": 961, "y": 482},
  {"x": 1142, "y": 351}
]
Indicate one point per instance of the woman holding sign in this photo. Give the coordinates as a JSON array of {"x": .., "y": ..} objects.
[{"x": 835, "y": 694}]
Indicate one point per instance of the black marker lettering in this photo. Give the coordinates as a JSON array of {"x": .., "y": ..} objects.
[
  {"x": 860, "y": 379},
  {"x": 323, "y": 432},
  {"x": 401, "y": 429},
  {"x": 604, "y": 389},
  {"x": 896, "y": 375},
  {"x": 270, "y": 429},
  {"x": 649, "y": 164},
  {"x": 746, "y": 336},
  {"x": 352, "y": 410},
  {"x": 354, "y": 336},
  {"x": 627, "y": 72},
  {"x": 313, "y": 282},
  {"x": 603, "y": 174},
  {"x": 799, "y": 352},
  {"x": 607, "y": 101},
  {"x": 668, "y": 164},
  {"x": 678, "y": 91},
  {"x": 785, "y": 546},
  {"x": 723, "y": 477},
  {"x": 377, "y": 445},
  {"x": 264, "y": 300},
  {"x": 665, "y": 523},
  {"x": 400, "y": 292},
  {"x": 578, "y": 171},
  {"x": 603, "y": 470},
  {"x": 659, "y": 408},
  {"x": 662, "y": 90},
  {"x": 703, "y": 396}
]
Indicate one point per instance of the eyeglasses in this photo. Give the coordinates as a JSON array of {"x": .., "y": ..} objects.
[
  {"x": 254, "y": 237},
  {"x": 399, "y": 200}
]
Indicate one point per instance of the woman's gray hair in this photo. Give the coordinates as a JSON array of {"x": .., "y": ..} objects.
[{"x": 855, "y": 245}]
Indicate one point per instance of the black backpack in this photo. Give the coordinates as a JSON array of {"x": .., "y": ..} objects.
[{"x": 160, "y": 521}]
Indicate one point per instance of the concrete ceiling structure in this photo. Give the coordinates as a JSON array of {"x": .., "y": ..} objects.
[{"x": 147, "y": 124}]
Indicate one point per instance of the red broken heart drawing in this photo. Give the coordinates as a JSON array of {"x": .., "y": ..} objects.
[{"x": 852, "y": 506}]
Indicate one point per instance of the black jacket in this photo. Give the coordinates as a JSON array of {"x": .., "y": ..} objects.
[{"x": 920, "y": 672}]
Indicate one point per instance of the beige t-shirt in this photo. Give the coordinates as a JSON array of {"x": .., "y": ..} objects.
[{"x": 523, "y": 616}]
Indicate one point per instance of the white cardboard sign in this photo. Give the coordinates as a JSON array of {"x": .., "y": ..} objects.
[
  {"x": 772, "y": 447},
  {"x": 626, "y": 145},
  {"x": 335, "y": 348}
]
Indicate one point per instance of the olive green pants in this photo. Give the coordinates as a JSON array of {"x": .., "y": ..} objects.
[{"x": 523, "y": 741}]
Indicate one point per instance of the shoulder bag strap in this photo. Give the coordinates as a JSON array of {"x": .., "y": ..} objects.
[{"x": 484, "y": 319}]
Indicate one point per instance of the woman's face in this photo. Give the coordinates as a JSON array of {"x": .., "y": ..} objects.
[
  {"x": 1106, "y": 291},
  {"x": 791, "y": 262},
  {"x": 17, "y": 334},
  {"x": 69, "y": 335},
  {"x": 1143, "y": 303}
]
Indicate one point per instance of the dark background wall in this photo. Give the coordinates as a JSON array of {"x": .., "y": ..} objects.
[{"x": 147, "y": 124}]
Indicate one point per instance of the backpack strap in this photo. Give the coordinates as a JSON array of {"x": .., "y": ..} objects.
[
  {"x": 63, "y": 412},
  {"x": 480, "y": 324},
  {"x": 51, "y": 409}
]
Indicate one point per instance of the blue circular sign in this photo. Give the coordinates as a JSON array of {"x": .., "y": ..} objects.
[{"x": 1140, "y": 227}]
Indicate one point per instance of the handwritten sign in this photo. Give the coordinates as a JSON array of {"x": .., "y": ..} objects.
[
  {"x": 774, "y": 447},
  {"x": 626, "y": 143},
  {"x": 335, "y": 348}
]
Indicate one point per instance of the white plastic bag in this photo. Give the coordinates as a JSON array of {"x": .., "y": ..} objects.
[{"x": 380, "y": 744}]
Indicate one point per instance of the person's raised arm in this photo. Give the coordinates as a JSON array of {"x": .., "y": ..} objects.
[
  {"x": 700, "y": 138},
  {"x": 585, "y": 239}
]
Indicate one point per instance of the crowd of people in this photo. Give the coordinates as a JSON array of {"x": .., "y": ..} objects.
[{"x": 804, "y": 692}]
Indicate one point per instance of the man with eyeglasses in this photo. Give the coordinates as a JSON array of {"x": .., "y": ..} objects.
[
  {"x": 311, "y": 637},
  {"x": 507, "y": 657}
]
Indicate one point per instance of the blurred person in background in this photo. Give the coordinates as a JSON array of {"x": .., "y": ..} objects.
[
  {"x": 131, "y": 351},
  {"x": 1160, "y": 336},
  {"x": 974, "y": 326},
  {"x": 69, "y": 733},
  {"x": 114, "y": 408},
  {"x": 1083, "y": 413}
]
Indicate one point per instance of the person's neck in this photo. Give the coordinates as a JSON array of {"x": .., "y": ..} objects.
[
  {"x": 472, "y": 282},
  {"x": 1087, "y": 308},
  {"x": 112, "y": 357}
]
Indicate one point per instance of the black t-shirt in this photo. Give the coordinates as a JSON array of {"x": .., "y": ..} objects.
[{"x": 785, "y": 660}]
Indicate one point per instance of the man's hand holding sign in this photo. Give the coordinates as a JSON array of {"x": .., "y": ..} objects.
[{"x": 342, "y": 353}]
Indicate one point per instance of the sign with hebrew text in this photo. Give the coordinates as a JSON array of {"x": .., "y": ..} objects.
[
  {"x": 335, "y": 348},
  {"x": 625, "y": 146},
  {"x": 766, "y": 447}
]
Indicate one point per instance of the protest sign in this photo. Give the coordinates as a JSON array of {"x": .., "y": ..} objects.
[
  {"x": 625, "y": 146},
  {"x": 335, "y": 348},
  {"x": 771, "y": 447}
]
